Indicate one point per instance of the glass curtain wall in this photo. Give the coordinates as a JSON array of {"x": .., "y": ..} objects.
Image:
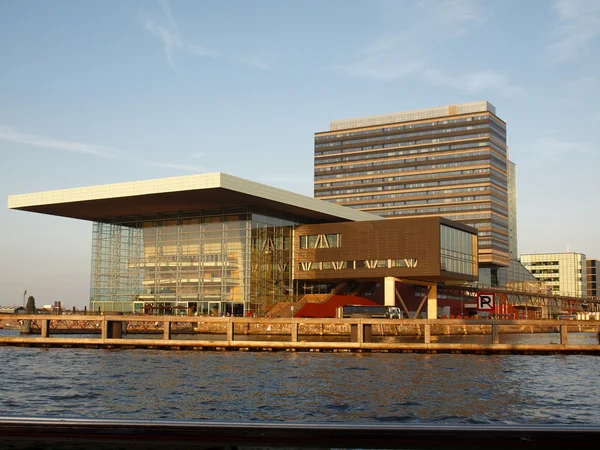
[
  {"x": 271, "y": 263},
  {"x": 211, "y": 263},
  {"x": 458, "y": 251}
]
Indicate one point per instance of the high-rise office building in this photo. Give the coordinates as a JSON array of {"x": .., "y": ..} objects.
[
  {"x": 448, "y": 161},
  {"x": 563, "y": 273}
]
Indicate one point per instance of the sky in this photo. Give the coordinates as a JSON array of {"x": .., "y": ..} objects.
[{"x": 105, "y": 92}]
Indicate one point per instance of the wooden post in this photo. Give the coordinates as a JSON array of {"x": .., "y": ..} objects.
[
  {"x": 229, "y": 330},
  {"x": 104, "y": 328},
  {"x": 360, "y": 338},
  {"x": 294, "y": 331},
  {"x": 427, "y": 334},
  {"x": 167, "y": 330},
  {"x": 564, "y": 335},
  {"x": 495, "y": 334},
  {"x": 45, "y": 328}
]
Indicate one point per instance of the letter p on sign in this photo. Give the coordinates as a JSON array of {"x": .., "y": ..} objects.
[{"x": 485, "y": 302}]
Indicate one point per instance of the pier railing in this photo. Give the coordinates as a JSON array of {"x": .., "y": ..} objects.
[{"x": 298, "y": 334}]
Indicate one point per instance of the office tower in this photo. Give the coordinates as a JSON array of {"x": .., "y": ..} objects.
[
  {"x": 448, "y": 161},
  {"x": 563, "y": 273}
]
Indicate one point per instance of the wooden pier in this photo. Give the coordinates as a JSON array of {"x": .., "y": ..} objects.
[{"x": 351, "y": 335}]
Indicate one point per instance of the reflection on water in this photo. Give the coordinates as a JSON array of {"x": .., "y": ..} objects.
[{"x": 393, "y": 388}]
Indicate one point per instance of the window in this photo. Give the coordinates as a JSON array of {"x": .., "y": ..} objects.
[{"x": 321, "y": 241}]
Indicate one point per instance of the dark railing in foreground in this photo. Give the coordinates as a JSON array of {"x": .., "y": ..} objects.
[
  {"x": 28, "y": 433},
  {"x": 118, "y": 331}
]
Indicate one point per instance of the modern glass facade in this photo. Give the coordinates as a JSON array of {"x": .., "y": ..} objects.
[
  {"x": 458, "y": 251},
  {"x": 563, "y": 273},
  {"x": 447, "y": 161},
  {"x": 217, "y": 262}
]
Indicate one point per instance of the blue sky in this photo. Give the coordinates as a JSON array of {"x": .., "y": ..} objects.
[{"x": 103, "y": 92}]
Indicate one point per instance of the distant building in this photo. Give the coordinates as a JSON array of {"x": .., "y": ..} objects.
[
  {"x": 593, "y": 281},
  {"x": 563, "y": 273},
  {"x": 448, "y": 161}
]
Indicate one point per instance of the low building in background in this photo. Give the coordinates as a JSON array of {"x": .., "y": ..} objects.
[
  {"x": 593, "y": 281},
  {"x": 220, "y": 245},
  {"x": 564, "y": 273}
]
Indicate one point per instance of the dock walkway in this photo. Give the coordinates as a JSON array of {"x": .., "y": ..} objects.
[{"x": 353, "y": 335}]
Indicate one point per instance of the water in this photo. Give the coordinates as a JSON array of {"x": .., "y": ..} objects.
[{"x": 304, "y": 387}]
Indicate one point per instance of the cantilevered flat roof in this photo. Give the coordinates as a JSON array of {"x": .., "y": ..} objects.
[{"x": 187, "y": 193}]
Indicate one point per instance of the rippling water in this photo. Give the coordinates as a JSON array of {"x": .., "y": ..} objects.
[{"x": 330, "y": 387}]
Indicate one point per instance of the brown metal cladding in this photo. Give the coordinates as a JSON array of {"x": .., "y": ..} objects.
[{"x": 417, "y": 238}]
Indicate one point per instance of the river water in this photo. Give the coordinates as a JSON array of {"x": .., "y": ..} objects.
[{"x": 304, "y": 387}]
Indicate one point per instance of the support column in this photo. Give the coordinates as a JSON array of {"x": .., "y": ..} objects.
[
  {"x": 294, "y": 331},
  {"x": 427, "y": 333},
  {"x": 564, "y": 335},
  {"x": 432, "y": 308},
  {"x": 45, "y": 328},
  {"x": 167, "y": 330},
  {"x": 389, "y": 291}
]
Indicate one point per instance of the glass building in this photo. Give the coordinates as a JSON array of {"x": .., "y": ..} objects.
[
  {"x": 564, "y": 273},
  {"x": 213, "y": 262}
]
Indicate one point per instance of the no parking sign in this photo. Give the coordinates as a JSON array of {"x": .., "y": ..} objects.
[{"x": 485, "y": 302}]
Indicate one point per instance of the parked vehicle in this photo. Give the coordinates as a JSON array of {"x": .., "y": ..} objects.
[{"x": 372, "y": 311}]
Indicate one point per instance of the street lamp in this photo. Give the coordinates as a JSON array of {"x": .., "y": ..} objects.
[{"x": 24, "y": 294}]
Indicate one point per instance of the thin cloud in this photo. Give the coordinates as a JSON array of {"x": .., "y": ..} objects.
[
  {"x": 578, "y": 26},
  {"x": 173, "y": 42},
  {"x": 15, "y": 136},
  {"x": 410, "y": 53},
  {"x": 11, "y": 134},
  {"x": 254, "y": 63},
  {"x": 171, "y": 37}
]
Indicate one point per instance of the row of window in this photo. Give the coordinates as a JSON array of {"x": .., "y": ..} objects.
[
  {"x": 402, "y": 136},
  {"x": 463, "y": 137},
  {"x": 390, "y": 161},
  {"x": 411, "y": 194},
  {"x": 424, "y": 167},
  {"x": 321, "y": 241},
  {"x": 360, "y": 264},
  {"x": 404, "y": 178},
  {"x": 390, "y": 154},
  {"x": 403, "y": 127},
  {"x": 401, "y": 187}
]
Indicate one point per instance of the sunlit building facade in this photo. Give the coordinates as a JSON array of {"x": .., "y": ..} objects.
[
  {"x": 449, "y": 161},
  {"x": 218, "y": 245},
  {"x": 564, "y": 273}
]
